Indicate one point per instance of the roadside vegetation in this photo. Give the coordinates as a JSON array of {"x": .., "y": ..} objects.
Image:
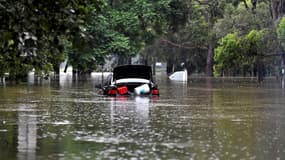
[{"x": 214, "y": 38}]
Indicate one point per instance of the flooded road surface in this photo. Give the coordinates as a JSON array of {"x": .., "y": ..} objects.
[{"x": 199, "y": 120}]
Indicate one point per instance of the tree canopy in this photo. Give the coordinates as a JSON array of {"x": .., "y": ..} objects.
[{"x": 41, "y": 34}]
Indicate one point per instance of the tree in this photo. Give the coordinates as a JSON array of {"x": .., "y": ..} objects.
[
  {"x": 140, "y": 22},
  {"x": 185, "y": 32},
  {"x": 281, "y": 37},
  {"x": 236, "y": 54},
  {"x": 251, "y": 25},
  {"x": 242, "y": 20},
  {"x": 6, "y": 45},
  {"x": 252, "y": 46},
  {"x": 35, "y": 32},
  {"x": 187, "y": 38},
  {"x": 214, "y": 10},
  {"x": 228, "y": 55}
]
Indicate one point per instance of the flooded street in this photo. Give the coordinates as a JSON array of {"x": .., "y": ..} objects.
[{"x": 201, "y": 119}]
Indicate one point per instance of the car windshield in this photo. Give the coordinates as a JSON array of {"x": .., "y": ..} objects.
[{"x": 132, "y": 71}]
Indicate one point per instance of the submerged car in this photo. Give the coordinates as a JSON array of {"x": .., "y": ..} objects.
[{"x": 131, "y": 80}]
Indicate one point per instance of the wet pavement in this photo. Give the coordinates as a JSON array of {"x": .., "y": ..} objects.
[{"x": 202, "y": 119}]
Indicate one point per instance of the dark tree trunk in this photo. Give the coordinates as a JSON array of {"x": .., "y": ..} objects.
[
  {"x": 211, "y": 46},
  {"x": 254, "y": 2},
  {"x": 56, "y": 72},
  {"x": 260, "y": 70},
  {"x": 169, "y": 67},
  {"x": 211, "y": 19},
  {"x": 2, "y": 81},
  {"x": 74, "y": 74},
  {"x": 210, "y": 59},
  {"x": 277, "y": 9},
  {"x": 153, "y": 68}
]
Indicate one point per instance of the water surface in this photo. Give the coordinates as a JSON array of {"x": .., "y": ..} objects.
[{"x": 202, "y": 119}]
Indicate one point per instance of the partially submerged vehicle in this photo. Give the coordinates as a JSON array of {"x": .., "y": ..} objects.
[
  {"x": 179, "y": 76},
  {"x": 131, "y": 80}
]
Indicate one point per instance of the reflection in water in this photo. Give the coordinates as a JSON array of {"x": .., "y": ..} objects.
[
  {"x": 136, "y": 107},
  {"x": 2, "y": 81},
  {"x": 65, "y": 79},
  {"x": 31, "y": 78},
  {"x": 27, "y": 133},
  {"x": 129, "y": 115},
  {"x": 180, "y": 89}
]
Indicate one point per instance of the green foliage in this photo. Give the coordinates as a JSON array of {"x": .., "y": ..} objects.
[
  {"x": 41, "y": 34},
  {"x": 177, "y": 14},
  {"x": 234, "y": 52},
  {"x": 281, "y": 33},
  {"x": 141, "y": 21},
  {"x": 242, "y": 20},
  {"x": 6, "y": 44},
  {"x": 36, "y": 33},
  {"x": 255, "y": 29},
  {"x": 186, "y": 27},
  {"x": 228, "y": 53},
  {"x": 252, "y": 43}
]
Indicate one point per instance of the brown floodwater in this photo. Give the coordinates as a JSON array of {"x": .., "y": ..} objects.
[{"x": 213, "y": 119}]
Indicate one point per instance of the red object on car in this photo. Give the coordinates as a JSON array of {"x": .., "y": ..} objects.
[
  {"x": 122, "y": 90},
  {"x": 112, "y": 92}
]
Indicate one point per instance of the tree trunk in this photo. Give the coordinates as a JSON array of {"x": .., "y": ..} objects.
[
  {"x": 56, "y": 72},
  {"x": 210, "y": 58},
  {"x": 277, "y": 9},
  {"x": 2, "y": 82},
  {"x": 169, "y": 66},
  {"x": 211, "y": 45}
]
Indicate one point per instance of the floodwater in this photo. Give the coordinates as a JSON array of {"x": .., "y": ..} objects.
[{"x": 204, "y": 119}]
